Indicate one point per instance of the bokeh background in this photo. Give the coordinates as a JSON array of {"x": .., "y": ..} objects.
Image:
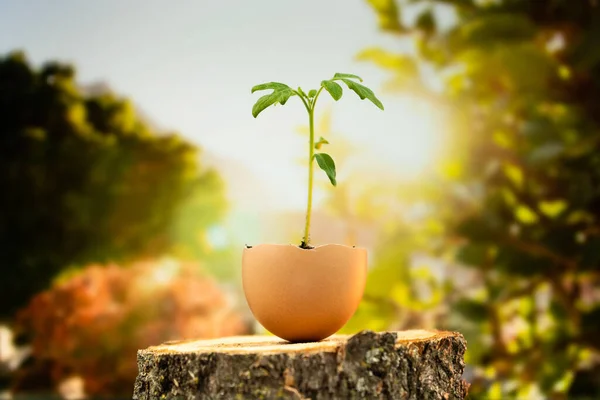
[{"x": 132, "y": 174}]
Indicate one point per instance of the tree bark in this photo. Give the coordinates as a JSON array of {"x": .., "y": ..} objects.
[{"x": 414, "y": 364}]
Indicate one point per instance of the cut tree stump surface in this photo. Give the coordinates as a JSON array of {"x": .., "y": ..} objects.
[{"x": 416, "y": 364}]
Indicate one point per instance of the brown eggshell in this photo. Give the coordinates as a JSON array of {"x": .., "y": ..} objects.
[{"x": 303, "y": 294}]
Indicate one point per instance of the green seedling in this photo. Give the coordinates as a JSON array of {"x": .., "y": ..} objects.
[{"x": 280, "y": 95}]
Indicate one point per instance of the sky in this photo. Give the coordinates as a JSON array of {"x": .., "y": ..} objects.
[{"x": 190, "y": 64}]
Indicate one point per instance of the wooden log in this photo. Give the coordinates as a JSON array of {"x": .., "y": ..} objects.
[{"x": 415, "y": 364}]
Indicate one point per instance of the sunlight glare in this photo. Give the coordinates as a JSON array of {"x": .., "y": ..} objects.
[
  {"x": 413, "y": 140},
  {"x": 165, "y": 271}
]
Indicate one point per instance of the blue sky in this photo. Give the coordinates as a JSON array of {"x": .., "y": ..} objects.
[{"x": 190, "y": 65}]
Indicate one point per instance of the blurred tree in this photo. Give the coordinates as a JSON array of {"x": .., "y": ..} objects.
[
  {"x": 85, "y": 180},
  {"x": 90, "y": 324},
  {"x": 519, "y": 193}
]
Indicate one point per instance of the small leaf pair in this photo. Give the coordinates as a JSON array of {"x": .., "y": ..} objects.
[
  {"x": 335, "y": 90},
  {"x": 282, "y": 92}
]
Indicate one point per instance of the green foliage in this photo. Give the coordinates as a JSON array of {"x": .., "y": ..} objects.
[
  {"x": 334, "y": 89},
  {"x": 519, "y": 183},
  {"x": 340, "y": 75},
  {"x": 326, "y": 163},
  {"x": 389, "y": 61},
  {"x": 363, "y": 92},
  {"x": 404, "y": 67},
  {"x": 492, "y": 29},
  {"x": 472, "y": 310},
  {"x": 86, "y": 180},
  {"x": 388, "y": 14},
  {"x": 473, "y": 254},
  {"x": 398, "y": 294},
  {"x": 426, "y": 22},
  {"x": 281, "y": 93}
]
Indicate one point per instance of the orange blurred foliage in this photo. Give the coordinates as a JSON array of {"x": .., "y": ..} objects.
[{"x": 92, "y": 323}]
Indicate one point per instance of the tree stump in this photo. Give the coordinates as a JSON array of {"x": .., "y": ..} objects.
[{"x": 415, "y": 364}]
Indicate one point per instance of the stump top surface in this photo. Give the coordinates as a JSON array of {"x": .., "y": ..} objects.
[{"x": 272, "y": 344}]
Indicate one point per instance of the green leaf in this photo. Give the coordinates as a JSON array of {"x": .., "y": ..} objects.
[
  {"x": 271, "y": 85},
  {"x": 281, "y": 94},
  {"x": 363, "y": 92},
  {"x": 340, "y": 75},
  {"x": 334, "y": 89},
  {"x": 301, "y": 91},
  {"x": 326, "y": 164},
  {"x": 321, "y": 142},
  {"x": 312, "y": 93}
]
